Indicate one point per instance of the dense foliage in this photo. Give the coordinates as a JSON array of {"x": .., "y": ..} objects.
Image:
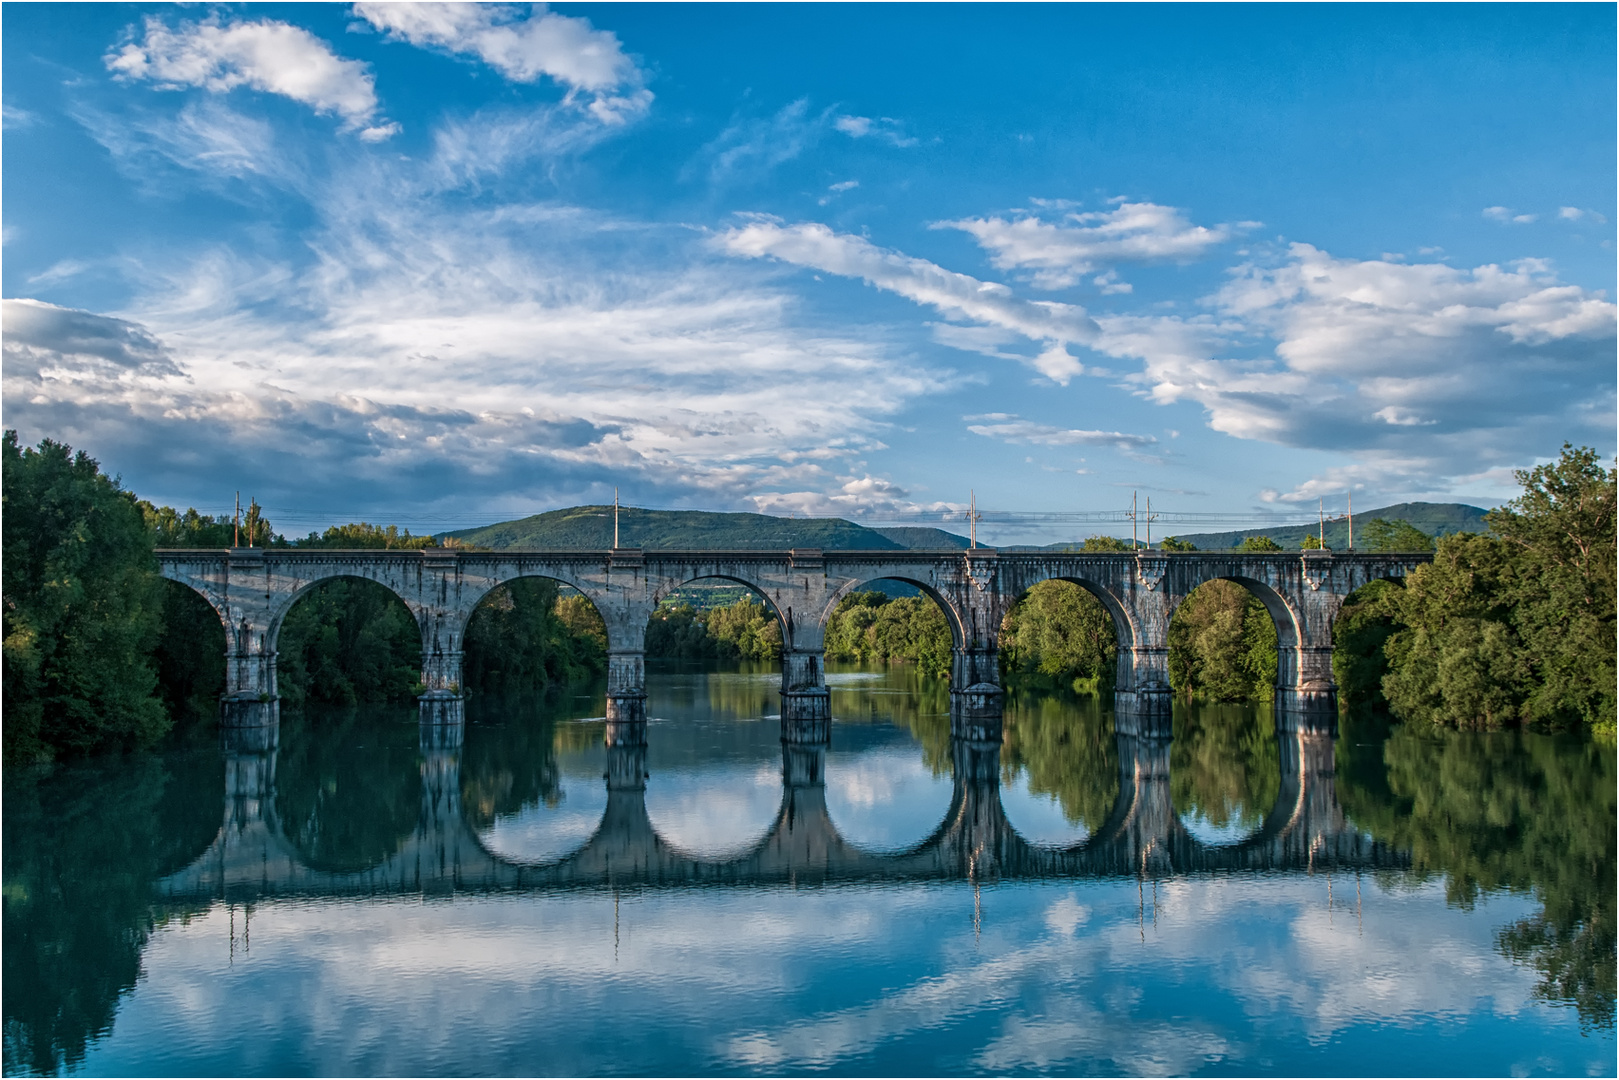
[
  {"x": 345, "y": 641},
  {"x": 1502, "y": 630},
  {"x": 83, "y": 608},
  {"x": 1060, "y": 631},
  {"x": 873, "y": 626},
  {"x": 1222, "y": 645},
  {"x": 745, "y": 630},
  {"x": 526, "y": 636}
]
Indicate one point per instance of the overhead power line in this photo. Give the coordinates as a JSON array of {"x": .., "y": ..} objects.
[{"x": 290, "y": 519}]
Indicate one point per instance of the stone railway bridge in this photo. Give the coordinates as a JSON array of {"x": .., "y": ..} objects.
[
  {"x": 252, "y": 858},
  {"x": 252, "y": 589}
]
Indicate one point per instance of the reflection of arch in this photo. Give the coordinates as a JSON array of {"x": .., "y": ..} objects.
[
  {"x": 1304, "y": 832},
  {"x": 952, "y": 617}
]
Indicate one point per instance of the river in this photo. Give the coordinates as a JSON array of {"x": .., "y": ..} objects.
[{"x": 356, "y": 896}]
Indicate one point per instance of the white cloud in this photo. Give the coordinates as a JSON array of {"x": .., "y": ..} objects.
[
  {"x": 1508, "y": 217},
  {"x": 1574, "y": 213},
  {"x": 956, "y": 296},
  {"x": 1424, "y": 372},
  {"x": 845, "y": 185},
  {"x": 1012, "y": 429},
  {"x": 476, "y": 352},
  {"x": 1059, "y": 254},
  {"x": 525, "y": 48},
  {"x": 885, "y": 128},
  {"x": 267, "y": 55}
]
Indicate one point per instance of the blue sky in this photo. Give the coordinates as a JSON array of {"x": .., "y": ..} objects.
[{"x": 441, "y": 265}]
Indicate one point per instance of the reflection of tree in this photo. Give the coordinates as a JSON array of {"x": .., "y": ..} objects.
[
  {"x": 923, "y": 710},
  {"x": 1223, "y": 763},
  {"x": 82, "y": 848},
  {"x": 745, "y": 698},
  {"x": 1067, "y": 746},
  {"x": 1504, "y": 810},
  {"x": 511, "y": 764},
  {"x": 349, "y": 786}
]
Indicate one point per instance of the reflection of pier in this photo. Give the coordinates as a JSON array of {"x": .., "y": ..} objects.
[{"x": 1305, "y": 831}]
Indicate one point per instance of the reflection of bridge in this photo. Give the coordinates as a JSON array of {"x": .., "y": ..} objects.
[
  {"x": 253, "y": 588},
  {"x": 252, "y": 858}
]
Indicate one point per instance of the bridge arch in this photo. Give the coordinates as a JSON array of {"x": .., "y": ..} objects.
[
  {"x": 952, "y": 616},
  {"x": 416, "y": 653},
  {"x": 1125, "y": 621}
]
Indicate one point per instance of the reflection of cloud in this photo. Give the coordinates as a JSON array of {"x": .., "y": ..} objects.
[
  {"x": 714, "y": 812},
  {"x": 1063, "y": 978},
  {"x": 884, "y": 800}
]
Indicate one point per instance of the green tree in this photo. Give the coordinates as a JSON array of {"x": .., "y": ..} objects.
[
  {"x": 348, "y": 641},
  {"x": 526, "y": 636},
  {"x": 1382, "y": 537},
  {"x": 359, "y": 534},
  {"x": 1222, "y": 645},
  {"x": 1312, "y": 543},
  {"x": 1259, "y": 543},
  {"x": 1106, "y": 543},
  {"x": 1059, "y": 630},
  {"x": 1456, "y": 658},
  {"x": 1562, "y": 597},
  {"x": 871, "y": 626},
  {"x": 82, "y": 608},
  {"x": 1174, "y": 543}
]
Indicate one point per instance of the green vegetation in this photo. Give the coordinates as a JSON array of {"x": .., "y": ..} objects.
[
  {"x": 1380, "y": 536},
  {"x": 1504, "y": 630},
  {"x": 347, "y": 641},
  {"x": 1222, "y": 645},
  {"x": 83, "y": 608},
  {"x": 526, "y": 636},
  {"x": 1063, "y": 633},
  {"x": 591, "y": 527},
  {"x": 1513, "y": 810},
  {"x": 745, "y": 630},
  {"x": 871, "y": 626}
]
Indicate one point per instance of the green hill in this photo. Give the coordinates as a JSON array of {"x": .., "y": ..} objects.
[
  {"x": 1435, "y": 519},
  {"x": 924, "y": 538},
  {"x": 591, "y": 528}
]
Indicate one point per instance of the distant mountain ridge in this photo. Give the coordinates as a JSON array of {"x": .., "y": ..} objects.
[
  {"x": 1435, "y": 519},
  {"x": 590, "y": 528}
]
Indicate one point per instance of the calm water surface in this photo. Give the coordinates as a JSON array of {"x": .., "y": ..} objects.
[{"x": 371, "y": 900}]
